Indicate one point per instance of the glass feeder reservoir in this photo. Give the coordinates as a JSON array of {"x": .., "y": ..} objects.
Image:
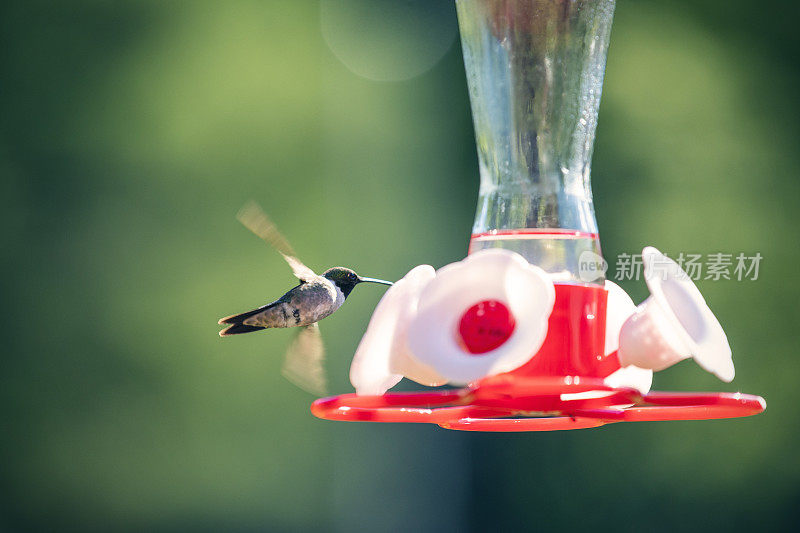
[{"x": 535, "y": 75}]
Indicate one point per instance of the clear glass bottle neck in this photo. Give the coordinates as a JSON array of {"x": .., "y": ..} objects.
[{"x": 535, "y": 72}]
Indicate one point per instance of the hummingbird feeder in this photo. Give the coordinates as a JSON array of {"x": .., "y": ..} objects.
[{"x": 527, "y": 322}]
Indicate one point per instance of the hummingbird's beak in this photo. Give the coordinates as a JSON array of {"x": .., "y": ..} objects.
[{"x": 373, "y": 280}]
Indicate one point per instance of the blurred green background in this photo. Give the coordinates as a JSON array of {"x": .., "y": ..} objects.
[{"x": 132, "y": 132}]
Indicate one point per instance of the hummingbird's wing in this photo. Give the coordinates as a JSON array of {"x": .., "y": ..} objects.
[
  {"x": 256, "y": 220},
  {"x": 303, "y": 365}
]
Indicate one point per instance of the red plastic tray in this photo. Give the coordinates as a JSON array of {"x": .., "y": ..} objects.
[{"x": 510, "y": 403}]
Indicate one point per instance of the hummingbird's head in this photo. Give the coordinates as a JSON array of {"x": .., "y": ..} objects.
[{"x": 346, "y": 279}]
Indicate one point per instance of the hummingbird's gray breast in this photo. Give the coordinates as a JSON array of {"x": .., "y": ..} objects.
[{"x": 305, "y": 304}]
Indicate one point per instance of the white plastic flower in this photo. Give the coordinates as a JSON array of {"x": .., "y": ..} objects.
[
  {"x": 481, "y": 316},
  {"x": 674, "y": 323},
  {"x": 496, "y": 278},
  {"x": 383, "y": 356}
]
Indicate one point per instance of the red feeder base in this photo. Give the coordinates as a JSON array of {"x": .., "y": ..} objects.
[{"x": 512, "y": 403}]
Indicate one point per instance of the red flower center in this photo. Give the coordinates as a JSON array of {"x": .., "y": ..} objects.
[{"x": 485, "y": 326}]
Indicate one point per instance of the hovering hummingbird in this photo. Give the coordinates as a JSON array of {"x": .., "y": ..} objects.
[{"x": 315, "y": 298}]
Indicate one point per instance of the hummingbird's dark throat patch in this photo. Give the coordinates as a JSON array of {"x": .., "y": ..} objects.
[{"x": 346, "y": 288}]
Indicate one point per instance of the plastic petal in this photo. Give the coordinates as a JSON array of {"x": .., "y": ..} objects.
[
  {"x": 381, "y": 358},
  {"x": 688, "y": 314},
  {"x": 619, "y": 308}
]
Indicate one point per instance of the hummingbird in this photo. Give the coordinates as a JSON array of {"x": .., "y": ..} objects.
[{"x": 315, "y": 298}]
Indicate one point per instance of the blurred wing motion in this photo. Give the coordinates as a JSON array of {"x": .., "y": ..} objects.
[
  {"x": 256, "y": 220},
  {"x": 304, "y": 361}
]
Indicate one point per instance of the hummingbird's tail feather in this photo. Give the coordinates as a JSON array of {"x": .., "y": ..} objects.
[
  {"x": 237, "y": 324},
  {"x": 238, "y": 319},
  {"x": 236, "y": 329}
]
